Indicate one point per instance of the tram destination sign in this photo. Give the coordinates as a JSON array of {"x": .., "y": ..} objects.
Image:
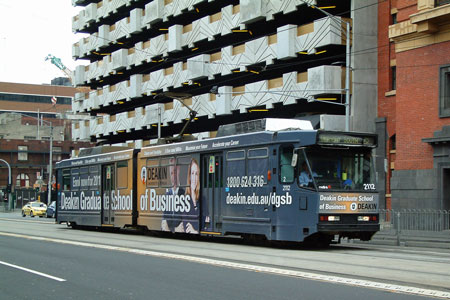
[{"x": 346, "y": 139}]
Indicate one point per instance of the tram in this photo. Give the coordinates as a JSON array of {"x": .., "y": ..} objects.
[{"x": 275, "y": 178}]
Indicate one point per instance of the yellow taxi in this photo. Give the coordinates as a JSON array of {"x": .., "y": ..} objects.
[{"x": 34, "y": 208}]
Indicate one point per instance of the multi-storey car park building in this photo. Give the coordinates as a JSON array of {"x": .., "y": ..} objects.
[
  {"x": 230, "y": 61},
  {"x": 263, "y": 57}
]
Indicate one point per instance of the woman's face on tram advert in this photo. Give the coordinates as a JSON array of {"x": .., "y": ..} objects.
[{"x": 194, "y": 175}]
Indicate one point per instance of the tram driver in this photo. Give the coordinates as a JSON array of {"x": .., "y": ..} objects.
[{"x": 305, "y": 177}]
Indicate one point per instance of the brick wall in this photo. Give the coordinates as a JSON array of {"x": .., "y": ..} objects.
[
  {"x": 38, "y": 156},
  {"x": 386, "y": 104},
  {"x": 417, "y": 104}
]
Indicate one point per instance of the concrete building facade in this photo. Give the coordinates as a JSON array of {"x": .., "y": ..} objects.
[
  {"x": 228, "y": 60},
  {"x": 414, "y": 93}
]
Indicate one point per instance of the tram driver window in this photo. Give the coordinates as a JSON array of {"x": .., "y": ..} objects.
[{"x": 286, "y": 170}]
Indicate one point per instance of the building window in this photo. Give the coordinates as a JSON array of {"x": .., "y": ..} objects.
[
  {"x": 57, "y": 151},
  {"x": 22, "y": 180},
  {"x": 394, "y": 18},
  {"x": 444, "y": 91},
  {"x": 441, "y": 2},
  {"x": 22, "y": 154},
  {"x": 393, "y": 142},
  {"x": 394, "y": 78},
  {"x": 33, "y": 98}
]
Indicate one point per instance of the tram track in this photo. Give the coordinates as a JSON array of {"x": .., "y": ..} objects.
[
  {"x": 408, "y": 267},
  {"x": 333, "y": 277}
]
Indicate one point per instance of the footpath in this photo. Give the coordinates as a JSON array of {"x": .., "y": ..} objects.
[{"x": 421, "y": 239}]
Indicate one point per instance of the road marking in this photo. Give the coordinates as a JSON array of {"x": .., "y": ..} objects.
[
  {"x": 28, "y": 221},
  {"x": 31, "y": 271},
  {"x": 269, "y": 270}
]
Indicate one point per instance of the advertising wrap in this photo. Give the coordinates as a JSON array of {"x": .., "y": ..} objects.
[
  {"x": 168, "y": 197},
  {"x": 346, "y": 203}
]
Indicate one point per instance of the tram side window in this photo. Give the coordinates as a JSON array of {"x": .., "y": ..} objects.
[
  {"x": 183, "y": 169},
  {"x": 84, "y": 174},
  {"x": 122, "y": 174},
  {"x": 286, "y": 170},
  {"x": 75, "y": 179},
  {"x": 66, "y": 179},
  {"x": 154, "y": 173},
  {"x": 258, "y": 162},
  {"x": 235, "y": 163},
  {"x": 94, "y": 177},
  {"x": 219, "y": 170},
  {"x": 168, "y": 167}
]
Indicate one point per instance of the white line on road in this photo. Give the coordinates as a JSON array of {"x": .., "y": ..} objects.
[
  {"x": 276, "y": 271},
  {"x": 28, "y": 221},
  {"x": 31, "y": 271}
]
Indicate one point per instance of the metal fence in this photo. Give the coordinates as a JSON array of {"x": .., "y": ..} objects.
[{"x": 414, "y": 220}]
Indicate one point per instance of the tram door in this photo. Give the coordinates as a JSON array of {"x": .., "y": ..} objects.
[
  {"x": 212, "y": 184},
  {"x": 108, "y": 185}
]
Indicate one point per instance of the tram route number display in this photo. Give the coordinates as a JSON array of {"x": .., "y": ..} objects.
[{"x": 245, "y": 181}]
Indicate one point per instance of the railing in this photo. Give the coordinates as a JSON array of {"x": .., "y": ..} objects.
[{"x": 414, "y": 220}]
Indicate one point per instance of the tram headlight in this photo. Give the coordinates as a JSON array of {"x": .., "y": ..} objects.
[
  {"x": 330, "y": 218},
  {"x": 363, "y": 218}
]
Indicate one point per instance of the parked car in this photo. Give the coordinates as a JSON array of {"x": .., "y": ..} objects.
[
  {"x": 51, "y": 209},
  {"x": 34, "y": 208}
]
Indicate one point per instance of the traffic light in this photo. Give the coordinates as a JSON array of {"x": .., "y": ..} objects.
[{"x": 8, "y": 189}]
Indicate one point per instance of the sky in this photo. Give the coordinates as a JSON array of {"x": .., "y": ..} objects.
[{"x": 29, "y": 31}]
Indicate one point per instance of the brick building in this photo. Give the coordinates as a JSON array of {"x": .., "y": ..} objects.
[
  {"x": 30, "y": 158},
  {"x": 413, "y": 102},
  {"x": 25, "y": 141}
]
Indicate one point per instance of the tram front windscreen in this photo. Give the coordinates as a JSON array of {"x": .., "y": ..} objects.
[{"x": 337, "y": 169}]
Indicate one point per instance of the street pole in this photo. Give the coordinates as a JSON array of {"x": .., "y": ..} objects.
[
  {"x": 9, "y": 182},
  {"x": 159, "y": 122},
  {"x": 38, "y": 125},
  {"x": 49, "y": 185},
  {"x": 347, "y": 79}
]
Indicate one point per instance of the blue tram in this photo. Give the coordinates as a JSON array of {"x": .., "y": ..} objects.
[{"x": 275, "y": 178}]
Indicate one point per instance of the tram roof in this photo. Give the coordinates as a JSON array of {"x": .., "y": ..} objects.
[
  {"x": 92, "y": 159},
  {"x": 274, "y": 131},
  {"x": 252, "y": 139}
]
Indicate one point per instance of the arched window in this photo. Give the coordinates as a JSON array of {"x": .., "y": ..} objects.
[{"x": 22, "y": 180}]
